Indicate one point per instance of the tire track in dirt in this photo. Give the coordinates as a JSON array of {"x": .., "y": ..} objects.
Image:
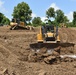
[
  {"x": 66, "y": 35},
  {"x": 70, "y": 34},
  {"x": 8, "y": 55}
]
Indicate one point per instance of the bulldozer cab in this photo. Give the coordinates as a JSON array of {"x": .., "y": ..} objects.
[
  {"x": 49, "y": 28},
  {"x": 16, "y": 20},
  {"x": 13, "y": 20}
]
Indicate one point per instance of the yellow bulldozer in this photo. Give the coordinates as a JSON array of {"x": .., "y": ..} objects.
[
  {"x": 63, "y": 25},
  {"x": 48, "y": 34},
  {"x": 49, "y": 38},
  {"x": 16, "y": 24}
]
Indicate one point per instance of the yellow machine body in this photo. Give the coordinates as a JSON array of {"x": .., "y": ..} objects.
[
  {"x": 39, "y": 38},
  {"x": 17, "y": 24},
  {"x": 22, "y": 23},
  {"x": 51, "y": 36},
  {"x": 63, "y": 25},
  {"x": 13, "y": 24}
]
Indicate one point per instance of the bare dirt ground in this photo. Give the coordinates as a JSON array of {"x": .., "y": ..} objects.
[{"x": 15, "y": 50}]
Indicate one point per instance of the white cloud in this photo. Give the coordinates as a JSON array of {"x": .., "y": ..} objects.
[
  {"x": 70, "y": 16},
  {"x": 33, "y": 15},
  {"x": 53, "y": 5},
  {"x": 43, "y": 18},
  {"x": 1, "y": 3},
  {"x": 2, "y": 9}
]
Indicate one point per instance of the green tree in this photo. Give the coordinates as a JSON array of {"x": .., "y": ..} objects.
[
  {"x": 66, "y": 19},
  {"x": 59, "y": 16},
  {"x": 36, "y": 21},
  {"x": 43, "y": 24},
  {"x": 74, "y": 18},
  {"x": 22, "y": 11},
  {"x": 1, "y": 17},
  {"x": 5, "y": 21},
  {"x": 50, "y": 13}
]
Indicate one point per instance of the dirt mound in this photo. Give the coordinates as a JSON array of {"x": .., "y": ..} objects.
[
  {"x": 67, "y": 35},
  {"x": 17, "y": 58},
  {"x": 50, "y": 57}
]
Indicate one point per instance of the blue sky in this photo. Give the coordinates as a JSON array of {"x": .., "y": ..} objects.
[{"x": 39, "y": 7}]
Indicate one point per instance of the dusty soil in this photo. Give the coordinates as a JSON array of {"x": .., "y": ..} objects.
[{"x": 15, "y": 53}]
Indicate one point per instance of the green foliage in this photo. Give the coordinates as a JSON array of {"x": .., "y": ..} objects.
[
  {"x": 36, "y": 21},
  {"x": 59, "y": 16},
  {"x": 43, "y": 24},
  {"x": 66, "y": 19},
  {"x": 50, "y": 13},
  {"x": 74, "y": 17},
  {"x": 4, "y": 20},
  {"x": 70, "y": 24},
  {"x": 1, "y": 17},
  {"x": 22, "y": 11},
  {"x": 29, "y": 23}
]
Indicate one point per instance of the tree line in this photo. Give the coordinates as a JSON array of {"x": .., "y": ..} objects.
[
  {"x": 23, "y": 12},
  {"x": 4, "y": 20}
]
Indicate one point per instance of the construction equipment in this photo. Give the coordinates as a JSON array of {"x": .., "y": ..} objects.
[
  {"x": 50, "y": 39},
  {"x": 48, "y": 34},
  {"x": 63, "y": 25},
  {"x": 17, "y": 24}
]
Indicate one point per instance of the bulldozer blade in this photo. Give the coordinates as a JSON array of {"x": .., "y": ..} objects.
[{"x": 52, "y": 46}]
